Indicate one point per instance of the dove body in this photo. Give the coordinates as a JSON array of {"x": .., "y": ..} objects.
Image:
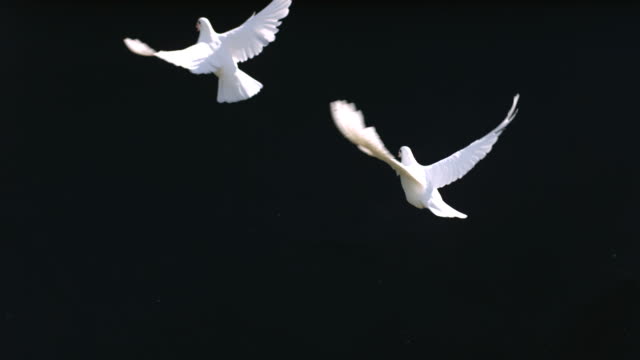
[
  {"x": 220, "y": 53},
  {"x": 420, "y": 183},
  {"x": 423, "y": 194},
  {"x": 414, "y": 191}
]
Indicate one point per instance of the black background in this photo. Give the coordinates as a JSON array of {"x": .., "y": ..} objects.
[{"x": 141, "y": 219}]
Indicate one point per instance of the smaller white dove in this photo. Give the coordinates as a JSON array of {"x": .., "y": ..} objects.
[
  {"x": 221, "y": 53},
  {"x": 420, "y": 183}
]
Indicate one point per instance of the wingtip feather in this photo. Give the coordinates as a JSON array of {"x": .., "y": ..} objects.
[
  {"x": 510, "y": 115},
  {"x": 138, "y": 47}
]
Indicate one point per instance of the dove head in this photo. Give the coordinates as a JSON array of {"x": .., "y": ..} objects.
[
  {"x": 206, "y": 30},
  {"x": 406, "y": 156}
]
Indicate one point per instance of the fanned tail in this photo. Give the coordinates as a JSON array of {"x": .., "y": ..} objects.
[
  {"x": 440, "y": 208},
  {"x": 237, "y": 86}
]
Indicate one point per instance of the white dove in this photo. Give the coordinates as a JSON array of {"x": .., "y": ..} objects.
[
  {"x": 221, "y": 53},
  {"x": 420, "y": 183}
]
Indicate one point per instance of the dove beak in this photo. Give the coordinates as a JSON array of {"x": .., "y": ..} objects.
[{"x": 198, "y": 26}]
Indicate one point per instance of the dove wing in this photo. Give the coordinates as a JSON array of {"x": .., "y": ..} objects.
[
  {"x": 194, "y": 58},
  {"x": 452, "y": 168},
  {"x": 248, "y": 39},
  {"x": 350, "y": 122}
]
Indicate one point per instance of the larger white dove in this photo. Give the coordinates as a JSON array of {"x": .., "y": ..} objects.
[
  {"x": 420, "y": 183},
  {"x": 221, "y": 53}
]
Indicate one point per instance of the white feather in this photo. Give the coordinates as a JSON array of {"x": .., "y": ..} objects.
[{"x": 138, "y": 47}]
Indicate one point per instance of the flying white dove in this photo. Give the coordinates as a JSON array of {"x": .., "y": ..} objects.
[
  {"x": 221, "y": 53},
  {"x": 420, "y": 183}
]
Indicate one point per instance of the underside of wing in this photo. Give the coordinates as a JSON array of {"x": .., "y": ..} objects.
[
  {"x": 194, "y": 58},
  {"x": 350, "y": 122},
  {"x": 455, "y": 166},
  {"x": 248, "y": 39}
]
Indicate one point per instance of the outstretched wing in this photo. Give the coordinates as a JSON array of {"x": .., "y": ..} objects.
[
  {"x": 452, "y": 168},
  {"x": 248, "y": 39},
  {"x": 350, "y": 122},
  {"x": 194, "y": 58}
]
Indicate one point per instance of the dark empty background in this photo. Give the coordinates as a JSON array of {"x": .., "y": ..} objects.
[{"x": 143, "y": 220}]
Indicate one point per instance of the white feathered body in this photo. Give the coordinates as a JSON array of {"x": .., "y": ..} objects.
[
  {"x": 222, "y": 61},
  {"x": 220, "y": 53},
  {"x": 414, "y": 191},
  {"x": 420, "y": 183}
]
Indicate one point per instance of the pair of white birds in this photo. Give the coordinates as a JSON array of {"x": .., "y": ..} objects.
[{"x": 220, "y": 54}]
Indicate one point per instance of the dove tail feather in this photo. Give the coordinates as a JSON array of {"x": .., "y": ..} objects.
[
  {"x": 237, "y": 86},
  {"x": 440, "y": 208}
]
